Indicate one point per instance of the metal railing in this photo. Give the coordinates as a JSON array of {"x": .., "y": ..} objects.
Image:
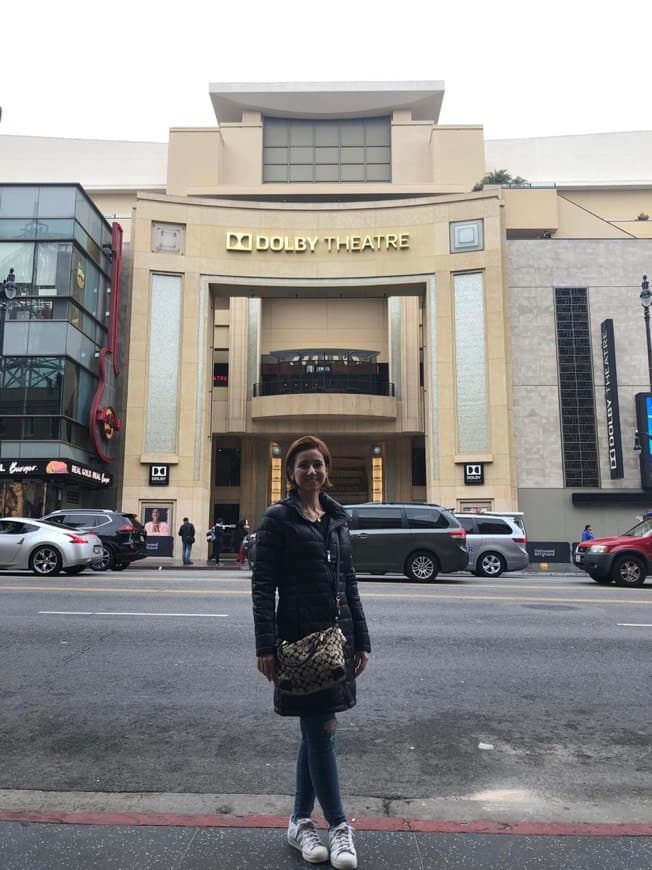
[{"x": 367, "y": 385}]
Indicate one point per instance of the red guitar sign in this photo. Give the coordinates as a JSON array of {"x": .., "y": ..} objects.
[{"x": 103, "y": 422}]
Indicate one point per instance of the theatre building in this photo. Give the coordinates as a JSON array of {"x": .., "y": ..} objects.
[
  {"x": 325, "y": 260},
  {"x": 318, "y": 264}
]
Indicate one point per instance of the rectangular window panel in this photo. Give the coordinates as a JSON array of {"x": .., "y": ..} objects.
[
  {"x": 352, "y": 173},
  {"x": 576, "y": 397},
  {"x": 359, "y": 149},
  {"x": 275, "y": 173},
  {"x": 162, "y": 399},
  {"x": 301, "y": 173},
  {"x": 379, "y": 172},
  {"x": 470, "y": 364},
  {"x": 327, "y": 173}
]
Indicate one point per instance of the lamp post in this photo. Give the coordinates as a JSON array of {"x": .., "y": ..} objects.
[{"x": 646, "y": 299}]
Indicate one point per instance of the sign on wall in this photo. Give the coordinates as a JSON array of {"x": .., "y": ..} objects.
[
  {"x": 474, "y": 473},
  {"x": 159, "y": 475},
  {"x": 612, "y": 410}
]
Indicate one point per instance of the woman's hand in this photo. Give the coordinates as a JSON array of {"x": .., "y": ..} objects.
[
  {"x": 267, "y": 666},
  {"x": 360, "y": 660}
]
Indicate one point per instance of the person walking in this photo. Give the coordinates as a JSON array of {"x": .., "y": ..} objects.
[
  {"x": 587, "y": 533},
  {"x": 218, "y": 539},
  {"x": 303, "y": 553},
  {"x": 187, "y": 535},
  {"x": 242, "y": 530}
]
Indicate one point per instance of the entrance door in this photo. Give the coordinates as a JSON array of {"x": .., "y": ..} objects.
[
  {"x": 229, "y": 514},
  {"x": 350, "y": 480}
]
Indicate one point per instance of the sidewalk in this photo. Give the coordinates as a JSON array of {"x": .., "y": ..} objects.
[{"x": 165, "y": 842}]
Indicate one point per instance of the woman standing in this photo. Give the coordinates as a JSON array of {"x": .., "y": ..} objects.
[{"x": 303, "y": 551}]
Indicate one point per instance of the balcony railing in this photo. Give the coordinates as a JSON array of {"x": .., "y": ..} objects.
[{"x": 368, "y": 385}]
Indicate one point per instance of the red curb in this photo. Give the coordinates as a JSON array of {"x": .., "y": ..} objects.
[{"x": 366, "y": 823}]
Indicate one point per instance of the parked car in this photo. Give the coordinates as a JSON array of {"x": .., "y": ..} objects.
[
  {"x": 625, "y": 559},
  {"x": 45, "y": 548},
  {"x": 495, "y": 542},
  {"x": 122, "y": 535},
  {"x": 418, "y": 540}
]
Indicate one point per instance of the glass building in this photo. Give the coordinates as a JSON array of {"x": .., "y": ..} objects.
[{"x": 56, "y": 259}]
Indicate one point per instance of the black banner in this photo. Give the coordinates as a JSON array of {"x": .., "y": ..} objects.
[
  {"x": 159, "y": 545},
  {"x": 548, "y": 551},
  {"x": 612, "y": 409},
  {"x": 66, "y": 469}
]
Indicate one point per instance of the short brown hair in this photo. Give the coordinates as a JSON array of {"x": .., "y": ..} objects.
[{"x": 307, "y": 442}]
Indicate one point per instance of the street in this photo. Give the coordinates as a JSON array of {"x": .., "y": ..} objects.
[{"x": 526, "y": 697}]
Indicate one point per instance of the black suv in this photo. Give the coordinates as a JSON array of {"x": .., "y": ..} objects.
[
  {"x": 123, "y": 536},
  {"x": 418, "y": 540}
]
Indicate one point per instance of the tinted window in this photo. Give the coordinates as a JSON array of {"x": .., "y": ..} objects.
[
  {"x": 379, "y": 518},
  {"x": 426, "y": 518},
  {"x": 13, "y": 527},
  {"x": 466, "y": 523},
  {"x": 493, "y": 527},
  {"x": 59, "y": 519},
  {"x": 80, "y": 521}
]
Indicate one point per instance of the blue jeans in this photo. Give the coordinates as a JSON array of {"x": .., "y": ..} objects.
[
  {"x": 317, "y": 770},
  {"x": 185, "y": 552}
]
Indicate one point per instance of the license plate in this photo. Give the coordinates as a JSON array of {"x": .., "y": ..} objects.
[
  {"x": 578, "y": 557},
  {"x": 97, "y": 550}
]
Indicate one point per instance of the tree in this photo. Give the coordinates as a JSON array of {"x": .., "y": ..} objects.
[{"x": 498, "y": 176}]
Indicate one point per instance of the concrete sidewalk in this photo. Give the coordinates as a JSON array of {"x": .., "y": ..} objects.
[{"x": 191, "y": 843}]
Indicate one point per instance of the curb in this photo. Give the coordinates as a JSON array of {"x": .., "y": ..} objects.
[{"x": 369, "y": 823}]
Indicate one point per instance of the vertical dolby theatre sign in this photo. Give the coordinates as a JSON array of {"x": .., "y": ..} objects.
[{"x": 612, "y": 410}]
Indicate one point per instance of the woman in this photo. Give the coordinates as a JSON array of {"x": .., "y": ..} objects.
[
  {"x": 303, "y": 551},
  {"x": 157, "y": 525},
  {"x": 239, "y": 535}
]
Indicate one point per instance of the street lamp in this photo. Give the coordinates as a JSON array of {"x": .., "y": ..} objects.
[{"x": 646, "y": 299}]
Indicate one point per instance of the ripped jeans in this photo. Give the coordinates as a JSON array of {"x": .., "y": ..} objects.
[{"x": 317, "y": 770}]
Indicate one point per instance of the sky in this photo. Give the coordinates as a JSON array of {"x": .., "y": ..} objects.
[{"x": 131, "y": 70}]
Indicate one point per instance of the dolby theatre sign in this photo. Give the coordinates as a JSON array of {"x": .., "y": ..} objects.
[{"x": 249, "y": 242}]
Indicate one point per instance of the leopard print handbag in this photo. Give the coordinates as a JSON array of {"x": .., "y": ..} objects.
[{"x": 312, "y": 663}]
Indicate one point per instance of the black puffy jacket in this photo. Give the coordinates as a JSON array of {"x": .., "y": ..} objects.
[{"x": 300, "y": 560}]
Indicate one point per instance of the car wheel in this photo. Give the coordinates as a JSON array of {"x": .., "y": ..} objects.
[
  {"x": 45, "y": 561},
  {"x": 422, "y": 566},
  {"x": 601, "y": 579},
  {"x": 75, "y": 569},
  {"x": 107, "y": 561},
  {"x": 120, "y": 566},
  {"x": 629, "y": 571},
  {"x": 490, "y": 565}
]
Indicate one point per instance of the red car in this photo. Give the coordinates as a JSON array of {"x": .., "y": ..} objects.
[{"x": 622, "y": 559}]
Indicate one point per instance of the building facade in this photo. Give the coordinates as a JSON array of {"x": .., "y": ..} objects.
[
  {"x": 321, "y": 262},
  {"x": 59, "y": 261}
]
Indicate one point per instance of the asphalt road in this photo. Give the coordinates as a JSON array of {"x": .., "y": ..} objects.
[{"x": 526, "y": 696}]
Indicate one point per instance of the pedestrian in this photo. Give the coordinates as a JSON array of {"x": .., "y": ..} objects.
[
  {"x": 587, "y": 533},
  {"x": 187, "y": 535},
  {"x": 218, "y": 538},
  {"x": 303, "y": 553},
  {"x": 242, "y": 530}
]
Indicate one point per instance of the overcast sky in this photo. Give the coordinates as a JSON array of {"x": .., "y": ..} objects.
[{"x": 131, "y": 70}]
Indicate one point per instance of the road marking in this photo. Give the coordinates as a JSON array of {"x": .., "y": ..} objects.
[
  {"x": 636, "y": 624},
  {"x": 121, "y": 613},
  {"x": 434, "y": 595}
]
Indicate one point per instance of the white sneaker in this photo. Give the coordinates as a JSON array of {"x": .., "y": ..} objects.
[
  {"x": 340, "y": 840},
  {"x": 303, "y": 836}
]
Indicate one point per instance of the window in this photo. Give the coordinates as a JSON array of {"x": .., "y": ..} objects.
[
  {"x": 467, "y": 524},
  {"x": 426, "y": 518},
  {"x": 13, "y": 527},
  {"x": 466, "y": 236},
  {"x": 227, "y": 466},
  {"x": 493, "y": 527},
  {"x": 313, "y": 151},
  {"x": 380, "y": 518},
  {"x": 418, "y": 466},
  {"x": 576, "y": 399}
]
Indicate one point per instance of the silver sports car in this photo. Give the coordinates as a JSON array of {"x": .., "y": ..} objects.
[{"x": 44, "y": 548}]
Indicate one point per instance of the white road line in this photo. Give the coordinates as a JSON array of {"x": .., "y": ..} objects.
[
  {"x": 636, "y": 624},
  {"x": 122, "y": 613}
]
